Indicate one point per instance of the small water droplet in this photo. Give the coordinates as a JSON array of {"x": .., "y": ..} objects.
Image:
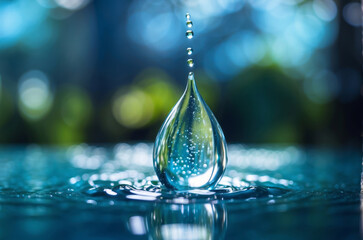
[
  {"x": 190, "y": 62},
  {"x": 189, "y": 51},
  {"x": 189, "y": 34},
  {"x": 187, "y": 15},
  {"x": 189, "y": 23}
]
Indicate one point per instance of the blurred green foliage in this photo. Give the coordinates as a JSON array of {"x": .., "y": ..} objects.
[{"x": 97, "y": 71}]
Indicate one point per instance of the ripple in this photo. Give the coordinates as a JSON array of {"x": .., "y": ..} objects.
[
  {"x": 129, "y": 185},
  {"x": 86, "y": 177}
]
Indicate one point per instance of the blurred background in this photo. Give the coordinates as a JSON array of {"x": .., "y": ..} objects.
[{"x": 282, "y": 71}]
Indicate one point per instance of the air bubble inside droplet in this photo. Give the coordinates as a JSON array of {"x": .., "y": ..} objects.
[
  {"x": 189, "y": 51},
  {"x": 189, "y": 24},
  {"x": 189, "y": 34},
  {"x": 190, "y": 62}
]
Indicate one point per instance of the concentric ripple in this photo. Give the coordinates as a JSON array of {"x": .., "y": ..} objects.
[
  {"x": 129, "y": 185},
  {"x": 123, "y": 175}
]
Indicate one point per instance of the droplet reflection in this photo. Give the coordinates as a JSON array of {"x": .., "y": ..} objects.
[{"x": 192, "y": 221}]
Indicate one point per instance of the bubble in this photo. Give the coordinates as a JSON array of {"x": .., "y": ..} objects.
[
  {"x": 187, "y": 15},
  {"x": 189, "y": 34},
  {"x": 189, "y": 51},
  {"x": 189, "y": 24}
]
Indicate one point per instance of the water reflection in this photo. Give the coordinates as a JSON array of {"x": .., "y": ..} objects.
[
  {"x": 192, "y": 221},
  {"x": 37, "y": 202}
]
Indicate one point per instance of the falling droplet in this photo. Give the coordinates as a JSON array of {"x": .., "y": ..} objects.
[
  {"x": 189, "y": 34},
  {"x": 190, "y": 133},
  {"x": 189, "y": 51},
  {"x": 190, "y": 62},
  {"x": 187, "y": 15},
  {"x": 189, "y": 23}
]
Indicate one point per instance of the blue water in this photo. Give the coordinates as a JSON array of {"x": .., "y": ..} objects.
[{"x": 86, "y": 192}]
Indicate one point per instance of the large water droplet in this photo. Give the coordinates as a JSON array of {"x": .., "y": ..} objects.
[
  {"x": 189, "y": 51},
  {"x": 190, "y": 150},
  {"x": 189, "y": 23},
  {"x": 190, "y": 62},
  {"x": 189, "y": 34}
]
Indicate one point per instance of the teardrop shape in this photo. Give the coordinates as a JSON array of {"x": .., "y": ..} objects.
[{"x": 190, "y": 150}]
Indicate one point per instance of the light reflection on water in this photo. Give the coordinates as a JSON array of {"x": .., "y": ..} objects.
[
  {"x": 143, "y": 185},
  {"x": 126, "y": 155},
  {"x": 48, "y": 191}
]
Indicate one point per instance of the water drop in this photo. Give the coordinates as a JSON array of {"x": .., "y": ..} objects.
[
  {"x": 169, "y": 146},
  {"x": 189, "y": 34},
  {"x": 189, "y": 51},
  {"x": 189, "y": 23},
  {"x": 187, "y": 15},
  {"x": 190, "y": 62}
]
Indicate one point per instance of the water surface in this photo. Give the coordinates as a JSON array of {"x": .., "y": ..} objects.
[{"x": 111, "y": 192}]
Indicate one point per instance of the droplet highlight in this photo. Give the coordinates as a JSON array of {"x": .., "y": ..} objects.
[
  {"x": 187, "y": 15},
  {"x": 190, "y": 149},
  {"x": 189, "y": 51},
  {"x": 189, "y": 34},
  {"x": 190, "y": 62}
]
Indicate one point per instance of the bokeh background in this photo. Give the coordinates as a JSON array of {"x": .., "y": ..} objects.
[{"x": 282, "y": 71}]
